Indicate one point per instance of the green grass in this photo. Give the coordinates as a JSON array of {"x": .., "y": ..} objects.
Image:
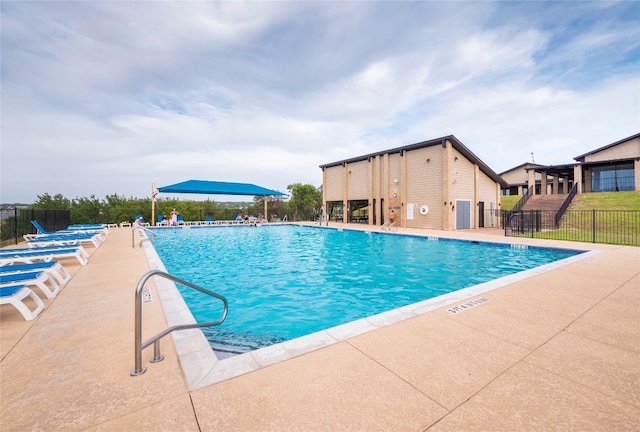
[
  {"x": 607, "y": 201},
  {"x": 508, "y": 201},
  {"x": 603, "y": 217}
]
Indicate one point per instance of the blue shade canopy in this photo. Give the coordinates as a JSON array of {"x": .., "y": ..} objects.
[{"x": 218, "y": 188}]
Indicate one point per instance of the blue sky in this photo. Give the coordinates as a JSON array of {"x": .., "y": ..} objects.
[{"x": 108, "y": 97}]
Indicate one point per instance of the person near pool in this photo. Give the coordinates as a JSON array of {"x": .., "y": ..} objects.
[{"x": 174, "y": 217}]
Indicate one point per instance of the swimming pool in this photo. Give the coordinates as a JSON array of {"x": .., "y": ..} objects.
[{"x": 283, "y": 282}]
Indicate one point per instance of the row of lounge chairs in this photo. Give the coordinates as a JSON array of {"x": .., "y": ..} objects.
[
  {"x": 251, "y": 221},
  {"x": 22, "y": 271},
  {"x": 36, "y": 266},
  {"x": 70, "y": 236}
]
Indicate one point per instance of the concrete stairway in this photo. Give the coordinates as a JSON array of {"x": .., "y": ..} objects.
[{"x": 545, "y": 202}]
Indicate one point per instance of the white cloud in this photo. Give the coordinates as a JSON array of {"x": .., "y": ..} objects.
[{"x": 108, "y": 97}]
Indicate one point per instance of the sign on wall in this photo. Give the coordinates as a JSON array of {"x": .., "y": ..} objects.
[{"x": 410, "y": 209}]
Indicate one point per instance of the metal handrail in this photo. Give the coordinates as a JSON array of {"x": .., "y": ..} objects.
[
  {"x": 565, "y": 205},
  {"x": 155, "y": 340},
  {"x": 388, "y": 226},
  {"x": 522, "y": 201},
  {"x": 142, "y": 239}
]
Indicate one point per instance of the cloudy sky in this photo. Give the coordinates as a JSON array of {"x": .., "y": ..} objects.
[{"x": 106, "y": 97}]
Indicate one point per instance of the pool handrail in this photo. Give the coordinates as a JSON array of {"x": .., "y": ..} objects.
[
  {"x": 155, "y": 340},
  {"x": 388, "y": 225},
  {"x": 142, "y": 229}
]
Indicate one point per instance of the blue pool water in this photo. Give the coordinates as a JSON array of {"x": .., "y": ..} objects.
[{"x": 283, "y": 282}]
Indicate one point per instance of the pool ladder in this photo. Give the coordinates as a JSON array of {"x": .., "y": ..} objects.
[
  {"x": 155, "y": 340},
  {"x": 388, "y": 226},
  {"x": 150, "y": 235}
]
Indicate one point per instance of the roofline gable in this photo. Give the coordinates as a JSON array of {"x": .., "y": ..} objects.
[
  {"x": 457, "y": 144},
  {"x": 583, "y": 156},
  {"x": 522, "y": 165}
]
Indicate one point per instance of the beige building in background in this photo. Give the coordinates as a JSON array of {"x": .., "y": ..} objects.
[
  {"x": 435, "y": 184},
  {"x": 518, "y": 178},
  {"x": 614, "y": 167}
]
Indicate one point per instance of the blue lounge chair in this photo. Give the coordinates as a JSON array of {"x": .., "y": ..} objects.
[
  {"x": 62, "y": 238},
  {"x": 48, "y": 240},
  {"x": 37, "y": 278},
  {"x": 54, "y": 269},
  {"x": 42, "y": 248},
  {"x": 76, "y": 233},
  {"x": 97, "y": 227},
  {"x": 29, "y": 255},
  {"x": 74, "y": 229},
  {"x": 15, "y": 295}
]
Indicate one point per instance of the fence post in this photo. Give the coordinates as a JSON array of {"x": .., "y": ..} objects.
[
  {"x": 593, "y": 225},
  {"x": 503, "y": 219},
  {"x": 15, "y": 224}
]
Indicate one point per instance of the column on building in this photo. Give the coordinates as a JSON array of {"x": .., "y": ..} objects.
[
  {"x": 345, "y": 193},
  {"x": 587, "y": 180},
  {"x": 531, "y": 182},
  {"x": 636, "y": 171},
  {"x": 556, "y": 184},
  {"x": 476, "y": 195},
  {"x": 387, "y": 195},
  {"x": 324, "y": 192},
  {"x": 447, "y": 217},
  {"x": 543, "y": 183},
  {"x": 371, "y": 189},
  {"x": 577, "y": 176},
  {"x": 403, "y": 189}
]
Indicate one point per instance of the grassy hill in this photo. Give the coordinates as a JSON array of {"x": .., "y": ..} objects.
[
  {"x": 590, "y": 201},
  {"x": 508, "y": 201},
  {"x": 607, "y": 201},
  {"x": 601, "y": 217}
]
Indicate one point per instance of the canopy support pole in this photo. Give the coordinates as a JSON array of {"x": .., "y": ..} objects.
[
  {"x": 154, "y": 192},
  {"x": 266, "y": 199}
]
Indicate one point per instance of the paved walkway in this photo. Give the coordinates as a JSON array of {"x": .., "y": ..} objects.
[{"x": 557, "y": 351}]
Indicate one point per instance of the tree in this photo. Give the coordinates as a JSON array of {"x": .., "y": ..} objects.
[
  {"x": 119, "y": 209},
  {"x": 305, "y": 201},
  {"x": 47, "y": 202},
  {"x": 87, "y": 210}
]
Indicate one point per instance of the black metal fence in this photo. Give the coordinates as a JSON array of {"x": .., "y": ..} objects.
[
  {"x": 17, "y": 222},
  {"x": 595, "y": 226},
  {"x": 490, "y": 219}
]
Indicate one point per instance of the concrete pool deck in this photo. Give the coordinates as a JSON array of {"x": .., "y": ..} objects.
[{"x": 557, "y": 351}]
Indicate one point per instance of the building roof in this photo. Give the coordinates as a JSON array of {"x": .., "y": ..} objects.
[
  {"x": 565, "y": 170},
  {"x": 523, "y": 165},
  {"x": 436, "y": 141},
  {"x": 218, "y": 188},
  {"x": 582, "y": 157}
]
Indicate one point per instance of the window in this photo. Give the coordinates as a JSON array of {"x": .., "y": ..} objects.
[{"x": 613, "y": 178}]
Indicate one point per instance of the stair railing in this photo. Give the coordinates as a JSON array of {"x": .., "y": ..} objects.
[
  {"x": 521, "y": 202},
  {"x": 565, "y": 205}
]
